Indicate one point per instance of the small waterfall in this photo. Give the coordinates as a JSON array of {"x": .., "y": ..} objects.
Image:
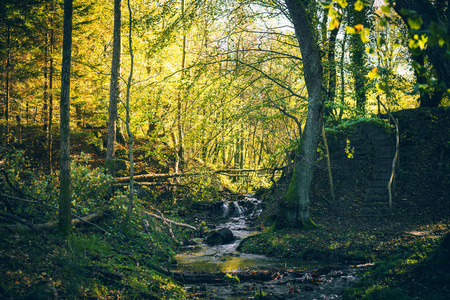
[
  {"x": 239, "y": 209},
  {"x": 225, "y": 209}
]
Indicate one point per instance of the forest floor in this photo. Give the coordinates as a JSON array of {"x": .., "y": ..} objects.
[{"x": 411, "y": 258}]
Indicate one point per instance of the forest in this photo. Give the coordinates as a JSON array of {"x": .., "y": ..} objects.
[{"x": 238, "y": 149}]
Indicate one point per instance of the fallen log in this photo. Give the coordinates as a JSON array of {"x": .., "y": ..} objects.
[
  {"x": 228, "y": 172},
  {"x": 22, "y": 221},
  {"x": 54, "y": 224}
]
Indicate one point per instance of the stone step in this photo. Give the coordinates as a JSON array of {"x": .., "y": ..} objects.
[
  {"x": 380, "y": 138},
  {"x": 374, "y": 211},
  {"x": 376, "y": 198},
  {"x": 378, "y": 184},
  {"x": 385, "y": 143},
  {"x": 384, "y": 153},
  {"x": 375, "y": 204},
  {"x": 382, "y": 168},
  {"x": 376, "y": 190},
  {"x": 381, "y": 176}
]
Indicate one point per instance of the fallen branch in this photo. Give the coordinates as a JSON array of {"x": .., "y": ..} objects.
[{"x": 170, "y": 221}]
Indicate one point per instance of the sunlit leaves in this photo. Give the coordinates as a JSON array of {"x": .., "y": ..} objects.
[
  {"x": 373, "y": 73},
  {"x": 418, "y": 42},
  {"x": 359, "y": 29}
]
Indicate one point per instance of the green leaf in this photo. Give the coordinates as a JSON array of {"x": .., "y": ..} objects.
[
  {"x": 415, "y": 22},
  {"x": 350, "y": 30},
  {"x": 386, "y": 9},
  {"x": 383, "y": 87},
  {"x": 334, "y": 24},
  {"x": 342, "y": 3},
  {"x": 359, "y": 5},
  {"x": 326, "y": 4},
  {"x": 364, "y": 34},
  {"x": 373, "y": 74},
  {"x": 383, "y": 22}
]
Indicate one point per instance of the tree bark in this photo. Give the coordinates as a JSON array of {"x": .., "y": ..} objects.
[
  {"x": 114, "y": 89},
  {"x": 64, "y": 221},
  {"x": 295, "y": 205}
]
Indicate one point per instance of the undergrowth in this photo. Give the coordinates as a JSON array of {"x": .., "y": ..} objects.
[{"x": 105, "y": 261}]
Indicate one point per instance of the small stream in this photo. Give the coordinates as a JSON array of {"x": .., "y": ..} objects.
[
  {"x": 283, "y": 278},
  {"x": 225, "y": 258}
]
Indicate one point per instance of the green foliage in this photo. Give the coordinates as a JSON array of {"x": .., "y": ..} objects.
[{"x": 89, "y": 186}]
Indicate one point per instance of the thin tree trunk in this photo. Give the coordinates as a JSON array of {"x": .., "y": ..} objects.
[
  {"x": 50, "y": 104},
  {"x": 327, "y": 152},
  {"x": 331, "y": 72},
  {"x": 180, "y": 151},
  {"x": 114, "y": 90},
  {"x": 296, "y": 201},
  {"x": 46, "y": 83},
  {"x": 128, "y": 120},
  {"x": 64, "y": 215},
  {"x": 8, "y": 67},
  {"x": 342, "y": 62}
]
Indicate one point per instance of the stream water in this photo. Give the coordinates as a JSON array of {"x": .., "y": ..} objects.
[{"x": 286, "y": 278}]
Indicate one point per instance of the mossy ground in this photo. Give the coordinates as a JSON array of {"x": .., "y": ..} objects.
[{"x": 86, "y": 266}]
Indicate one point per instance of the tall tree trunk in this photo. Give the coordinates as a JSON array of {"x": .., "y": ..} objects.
[
  {"x": 64, "y": 222},
  {"x": 295, "y": 205},
  {"x": 426, "y": 99},
  {"x": 114, "y": 90},
  {"x": 358, "y": 58}
]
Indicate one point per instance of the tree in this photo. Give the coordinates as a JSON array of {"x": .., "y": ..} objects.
[
  {"x": 295, "y": 205},
  {"x": 64, "y": 222},
  {"x": 358, "y": 55},
  {"x": 430, "y": 18},
  {"x": 128, "y": 119},
  {"x": 114, "y": 89}
]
